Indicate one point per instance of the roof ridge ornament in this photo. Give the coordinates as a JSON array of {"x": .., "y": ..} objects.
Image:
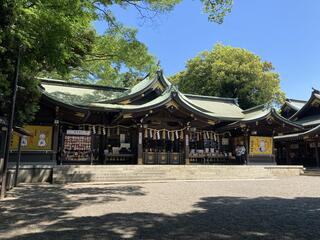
[{"x": 315, "y": 90}]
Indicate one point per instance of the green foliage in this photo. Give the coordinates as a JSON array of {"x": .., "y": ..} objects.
[
  {"x": 54, "y": 34},
  {"x": 231, "y": 72},
  {"x": 59, "y": 41},
  {"x": 217, "y": 9}
]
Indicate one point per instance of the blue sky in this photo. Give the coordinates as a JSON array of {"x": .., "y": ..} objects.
[{"x": 285, "y": 32}]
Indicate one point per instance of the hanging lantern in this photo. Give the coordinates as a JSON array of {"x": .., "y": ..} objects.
[
  {"x": 181, "y": 134},
  {"x": 164, "y": 134},
  {"x": 172, "y": 136},
  {"x": 94, "y": 129},
  {"x": 104, "y": 131},
  {"x": 118, "y": 131},
  {"x": 108, "y": 132},
  {"x": 150, "y": 133},
  {"x": 168, "y": 133},
  {"x": 99, "y": 130}
]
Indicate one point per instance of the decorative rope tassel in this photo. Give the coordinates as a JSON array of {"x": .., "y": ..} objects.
[
  {"x": 154, "y": 134},
  {"x": 164, "y": 134},
  {"x": 177, "y": 134},
  {"x": 145, "y": 133},
  {"x": 158, "y": 135},
  {"x": 181, "y": 134}
]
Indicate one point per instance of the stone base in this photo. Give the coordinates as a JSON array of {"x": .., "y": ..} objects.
[{"x": 116, "y": 173}]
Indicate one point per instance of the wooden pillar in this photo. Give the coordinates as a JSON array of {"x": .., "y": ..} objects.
[
  {"x": 288, "y": 159},
  {"x": 55, "y": 146},
  {"x": 186, "y": 146},
  {"x": 18, "y": 162},
  {"x": 246, "y": 142},
  {"x": 56, "y": 127},
  {"x": 317, "y": 154},
  {"x": 140, "y": 145}
]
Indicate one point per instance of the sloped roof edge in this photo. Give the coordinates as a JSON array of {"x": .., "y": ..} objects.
[
  {"x": 314, "y": 95},
  {"x": 270, "y": 112},
  {"x": 293, "y": 136},
  {"x": 210, "y": 98},
  {"x": 80, "y": 85}
]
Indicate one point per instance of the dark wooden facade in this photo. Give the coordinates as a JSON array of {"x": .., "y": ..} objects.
[
  {"x": 302, "y": 148},
  {"x": 152, "y": 123}
]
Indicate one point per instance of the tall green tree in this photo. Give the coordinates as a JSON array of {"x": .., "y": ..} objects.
[
  {"x": 58, "y": 40},
  {"x": 231, "y": 72}
]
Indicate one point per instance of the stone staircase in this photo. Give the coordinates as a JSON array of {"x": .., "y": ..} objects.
[
  {"x": 312, "y": 172},
  {"x": 118, "y": 173}
]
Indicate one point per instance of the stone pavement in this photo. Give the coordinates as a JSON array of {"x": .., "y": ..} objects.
[{"x": 286, "y": 208}]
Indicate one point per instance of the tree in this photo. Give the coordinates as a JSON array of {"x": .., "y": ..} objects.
[
  {"x": 231, "y": 72},
  {"x": 58, "y": 40}
]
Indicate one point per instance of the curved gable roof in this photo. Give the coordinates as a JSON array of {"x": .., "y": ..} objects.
[
  {"x": 295, "y": 136},
  {"x": 315, "y": 96},
  {"x": 259, "y": 113},
  {"x": 141, "y": 89},
  {"x": 293, "y": 104}
]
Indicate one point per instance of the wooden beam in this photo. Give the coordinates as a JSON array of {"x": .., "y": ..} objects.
[
  {"x": 140, "y": 145},
  {"x": 186, "y": 146},
  {"x": 317, "y": 154}
]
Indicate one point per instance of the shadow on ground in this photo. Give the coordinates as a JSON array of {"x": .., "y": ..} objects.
[{"x": 213, "y": 217}]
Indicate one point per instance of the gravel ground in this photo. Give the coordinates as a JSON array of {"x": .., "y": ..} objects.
[{"x": 287, "y": 208}]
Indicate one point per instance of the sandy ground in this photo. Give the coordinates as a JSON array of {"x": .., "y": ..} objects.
[{"x": 287, "y": 208}]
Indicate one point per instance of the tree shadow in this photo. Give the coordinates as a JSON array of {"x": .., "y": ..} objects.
[
  {"x": 212, "y": 217},
  {"x": 37, "y": 203}
]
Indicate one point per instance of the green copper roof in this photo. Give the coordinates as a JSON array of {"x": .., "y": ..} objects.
[
  {"x": 296, "y": 136},
  {"x": 309, "y": 121},
  {"x": 101, "y": 98},
  {"x": 223, "y": 107},
  {"x": 79, "y": 94},
  {"x": 258, "y": 113},
  {"x": 315, "y": 96},
  {"x": 295, "y": 104},
  {"x": 165, "y": 97}
]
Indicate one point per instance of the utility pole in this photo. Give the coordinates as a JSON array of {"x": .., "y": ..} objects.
[{"x": 10, "y": 126}]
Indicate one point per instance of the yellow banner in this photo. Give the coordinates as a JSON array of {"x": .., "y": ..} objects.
[
  {"x": 261, "y": 145},
  {"x": 41, "y": 138}
]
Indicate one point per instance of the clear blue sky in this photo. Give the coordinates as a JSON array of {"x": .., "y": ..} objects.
[{"x": 285, "y": 32}]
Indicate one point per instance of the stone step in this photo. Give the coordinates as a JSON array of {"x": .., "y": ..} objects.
[{"x": 65, "y": 174}]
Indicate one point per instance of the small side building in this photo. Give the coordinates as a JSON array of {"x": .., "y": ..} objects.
[{"x": 302, "y": 148}]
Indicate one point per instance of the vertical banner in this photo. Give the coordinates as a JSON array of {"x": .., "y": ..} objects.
[
  {"x": 261, "y": 145},
  {"x": 41, "y": 138}
]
